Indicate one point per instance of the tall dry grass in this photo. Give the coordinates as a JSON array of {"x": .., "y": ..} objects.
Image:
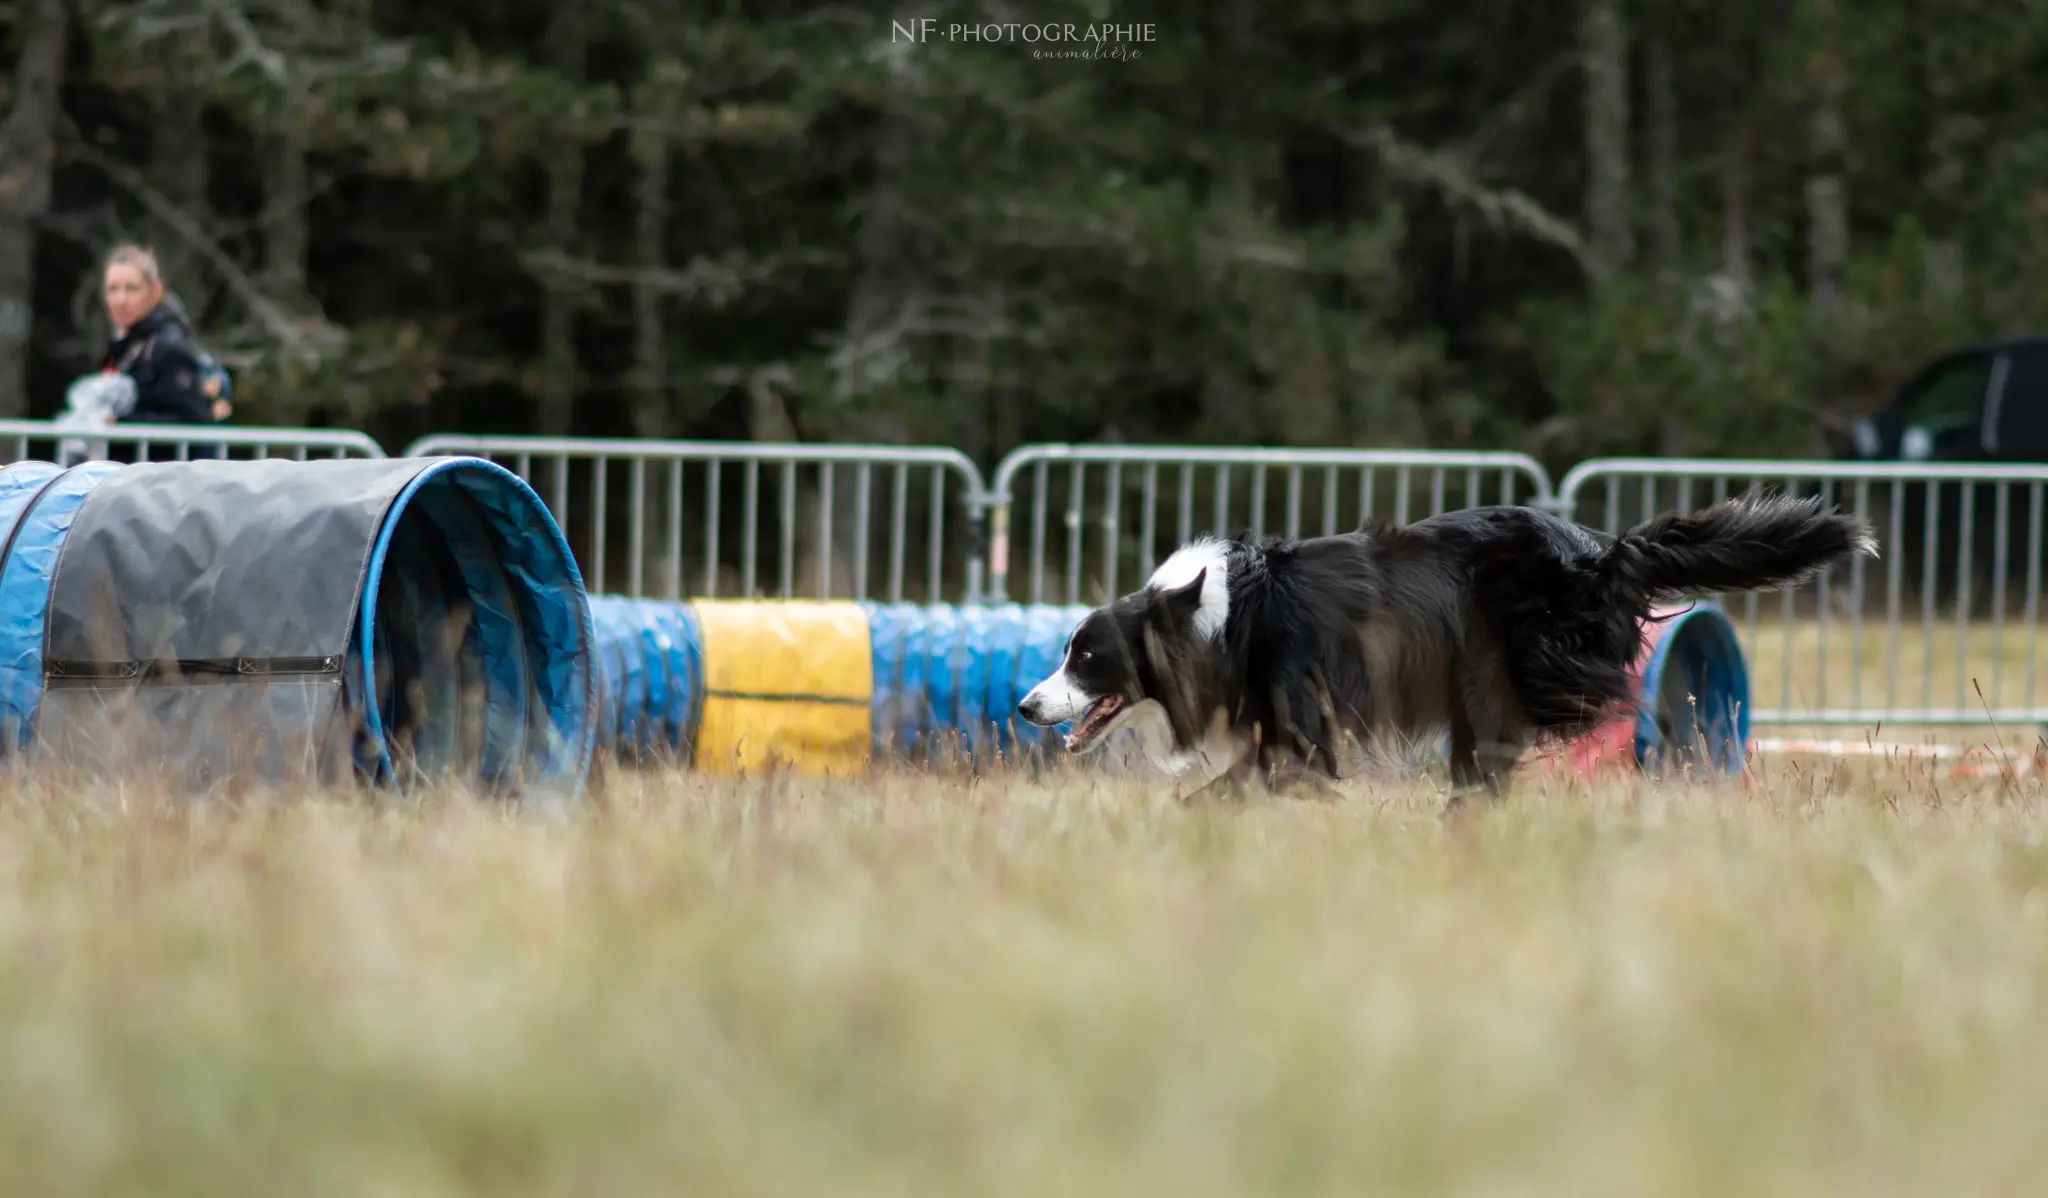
[{"x": 1828, "y": 980}]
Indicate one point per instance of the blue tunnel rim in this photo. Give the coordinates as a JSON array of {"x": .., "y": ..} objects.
[
  {"x": 1721, "y": 629},
  {"x": 49, "y": 507},
  {"x": 571, "y": 575}
]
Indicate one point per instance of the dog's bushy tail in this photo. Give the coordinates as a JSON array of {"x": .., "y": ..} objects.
[{"x": 1748, "y": 543}]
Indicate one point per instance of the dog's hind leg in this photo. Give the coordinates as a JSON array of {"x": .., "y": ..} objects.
[
  {"x": 1466, "y": 778},
  {"x": 1484, "y": 753}
]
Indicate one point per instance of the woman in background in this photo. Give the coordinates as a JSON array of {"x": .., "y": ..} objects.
[{"x": 152, "y": 344}]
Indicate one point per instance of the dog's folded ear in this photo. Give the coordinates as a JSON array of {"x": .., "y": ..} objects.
[{"x": 1187, "y": 597}]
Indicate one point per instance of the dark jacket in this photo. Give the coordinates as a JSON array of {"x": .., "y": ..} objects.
[{"x": 158, "y": 354}]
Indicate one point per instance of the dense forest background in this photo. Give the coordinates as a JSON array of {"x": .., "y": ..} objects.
[{"x": 1565, "y": 226}]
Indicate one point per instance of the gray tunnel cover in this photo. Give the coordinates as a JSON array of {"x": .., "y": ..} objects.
[{"x": 220, "y": 597}]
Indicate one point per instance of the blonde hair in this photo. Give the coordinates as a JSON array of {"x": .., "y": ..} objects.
[{"x": 141, "y": 258}]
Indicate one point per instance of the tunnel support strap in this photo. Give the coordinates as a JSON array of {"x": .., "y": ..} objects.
[{"x": 57, "y": 672}]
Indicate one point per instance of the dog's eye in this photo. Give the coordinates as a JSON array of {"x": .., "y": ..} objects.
[{"x": 1082, "y": 656}]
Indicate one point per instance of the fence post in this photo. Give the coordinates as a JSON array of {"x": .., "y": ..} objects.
[
  {"x": 999, "y": 547},
  {"x": 977, "y": 513}
]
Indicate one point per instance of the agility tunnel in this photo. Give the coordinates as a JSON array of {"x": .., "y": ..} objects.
[
  {"x": 733, "y": 686},
  {"x": 1692, "y": 687},
  {"x": 388, "y": 619}
]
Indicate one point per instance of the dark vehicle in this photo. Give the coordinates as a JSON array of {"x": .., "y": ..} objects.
[
  {"x": 1983, "y": 404},
  {"x": 1986, "y": 402}
]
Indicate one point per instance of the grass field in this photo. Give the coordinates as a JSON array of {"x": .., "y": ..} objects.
[{"x": 1827, "y": 979}]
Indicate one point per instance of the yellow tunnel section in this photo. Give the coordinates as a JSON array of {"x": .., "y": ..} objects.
[{"x": 786, "y": 686}]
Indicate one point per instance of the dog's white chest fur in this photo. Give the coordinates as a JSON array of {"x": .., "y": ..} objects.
[{"x": 1152, "y": 736}]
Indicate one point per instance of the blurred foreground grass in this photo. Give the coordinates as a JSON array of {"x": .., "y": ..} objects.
[{"x": 1831, "y": 981}]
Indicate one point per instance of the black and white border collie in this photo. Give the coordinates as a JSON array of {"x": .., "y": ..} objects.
[{"x": 1503, "y": 626}]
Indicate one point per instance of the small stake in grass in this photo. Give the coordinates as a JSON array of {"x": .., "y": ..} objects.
[{"x": 2006, "y": 771}]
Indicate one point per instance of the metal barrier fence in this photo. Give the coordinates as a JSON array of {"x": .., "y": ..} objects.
[
  {"x": 693, "y": 518},
  {"x": 1107, "y": 488},
  {"x": 1952, "y": 603},
  {"x": 40, "y": 440}
]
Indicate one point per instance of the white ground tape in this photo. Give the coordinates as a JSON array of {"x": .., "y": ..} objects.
[{"x": 1969, "y": 761}]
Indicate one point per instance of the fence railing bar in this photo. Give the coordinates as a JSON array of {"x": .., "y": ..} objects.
[
  {"x": 675, "y": 529},
  {"x": 2035, "y": 495},
  {"x": 864, "y": 480},
  {"x": 597, "y": 521},
  {"x": 1148, "y": 531},
  {"x": 1258, "y": 501},
  {"x": 1110, "y": 547},
  {"x": 899, "y": 520},
  {"x": 1076, "y": 478},
  {"x": 936, "y": 540},
  {"x": 711, "y": 499},
  {"x": 787, "y": 543},
  {"x": 2002, "y": 529},
  {"x": 637, "y": 528},
  {"x": 1895, "y": 584},
  {"x": 825, "y": 530},
  {"x": 1927, "y": 578},
  {"x": 750, "y": 537},
  {"x": 1963, "y": 562},
  {"x": 1856, "y": 601}
]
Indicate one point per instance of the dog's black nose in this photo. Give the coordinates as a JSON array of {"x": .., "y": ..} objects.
[{"x": 1025, "y": 708}]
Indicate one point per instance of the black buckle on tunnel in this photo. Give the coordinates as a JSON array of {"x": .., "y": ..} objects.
[
  {"x": 119, "y": 670},
  {"x": 267, "y": 666}
]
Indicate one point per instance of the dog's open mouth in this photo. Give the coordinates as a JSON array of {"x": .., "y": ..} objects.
[{"x": 1093, "y": 721}]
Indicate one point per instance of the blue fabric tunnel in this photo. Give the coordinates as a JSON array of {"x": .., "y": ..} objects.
[
  {"x": 651, "y": 656},
  {"x": 1694, "y": 695},
  {"x": 945, "y": 678},
  {"x": 950, "y": 678}
]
